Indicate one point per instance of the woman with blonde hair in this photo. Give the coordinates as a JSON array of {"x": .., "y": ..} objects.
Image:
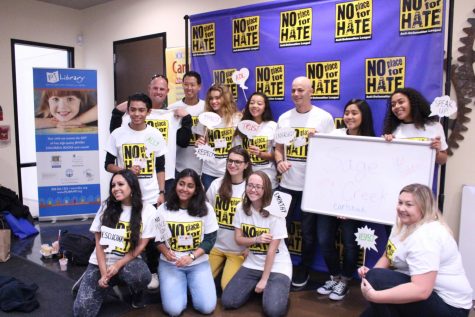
[
  {"x": 421, "y": 271},
  {"x": 219, "y": 100}
]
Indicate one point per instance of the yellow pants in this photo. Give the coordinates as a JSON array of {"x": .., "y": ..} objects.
[{"x": 230, "y": 263}]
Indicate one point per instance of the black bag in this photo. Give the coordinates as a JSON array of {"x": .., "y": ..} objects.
[{"x": 77, "y": 247}]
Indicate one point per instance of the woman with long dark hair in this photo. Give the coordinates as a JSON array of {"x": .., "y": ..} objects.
[
  {"x": 358, "y": 121},
  {"x": 261, "y": 146},
  {"x": 184, "y": 256},
  {"x": 122, "y": 210},
  {"x": 224, "y": 194}
]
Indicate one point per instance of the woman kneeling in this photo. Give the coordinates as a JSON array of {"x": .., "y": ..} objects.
[{"x": 268, "y": 268}]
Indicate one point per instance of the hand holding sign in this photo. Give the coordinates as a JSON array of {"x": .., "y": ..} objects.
[
  {"x": 113, "y": 238},
  {"x": 285, "y": 136},
  {"x": 443, "y": 107},
  {"x": 249, "y": 128},
  {"x": 366, "y": 239},
  {"x": 280, "y": 204}
]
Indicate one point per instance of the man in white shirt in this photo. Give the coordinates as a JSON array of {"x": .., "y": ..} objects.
[{"x": 306, "y": 119}]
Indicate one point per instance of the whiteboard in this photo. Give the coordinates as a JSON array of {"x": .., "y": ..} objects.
[
  {"x": 467, "y": 220},
  {"x": 361, "y": 177}
]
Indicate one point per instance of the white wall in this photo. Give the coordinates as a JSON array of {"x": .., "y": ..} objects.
[
  {"x": 31, "y": 21},
  {"x": 460, "y": 166},
  {"x": 122, "y": 19}
]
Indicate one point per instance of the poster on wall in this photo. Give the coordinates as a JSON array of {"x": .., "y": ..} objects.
[
  {"x": 65, "y": 102},
  {"x": 176, "y": 68},
  {"x": 360, "y": 49}
]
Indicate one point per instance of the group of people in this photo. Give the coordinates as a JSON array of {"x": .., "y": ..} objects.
[{"x": 197, "y": 221}]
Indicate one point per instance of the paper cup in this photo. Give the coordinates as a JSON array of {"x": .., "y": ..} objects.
[{"x": 63, "y": 264}]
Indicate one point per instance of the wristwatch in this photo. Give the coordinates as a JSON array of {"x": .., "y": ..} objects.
[{"x": 192, "y": 256}]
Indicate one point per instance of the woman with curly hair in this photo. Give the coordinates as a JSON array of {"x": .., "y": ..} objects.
[
  {"x": 407, "y": 117},
  {"x": 220, "y": 100},
  {"x": 122, "y": 210}
]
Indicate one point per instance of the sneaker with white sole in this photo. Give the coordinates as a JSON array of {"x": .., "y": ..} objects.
[
  {"x": 137, "y": 299},
  {"x": 339, "y": 291},
  {"x": 153, "y": 282},
  {"x": 300, "y": 277},
  {"x": 328, "y": 287}
]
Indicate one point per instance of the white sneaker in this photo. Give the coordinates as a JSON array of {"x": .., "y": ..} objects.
[
  {"x": 339, "y": 291},
  {"x": 153, "y": 282},
  {"x": 327, "y": 288}
]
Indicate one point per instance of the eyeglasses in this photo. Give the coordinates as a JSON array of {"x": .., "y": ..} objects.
[
  {"x": 159, "y": 76},
  {"x": 235, "y": 162},
  {"x": 254, "y": 186}
]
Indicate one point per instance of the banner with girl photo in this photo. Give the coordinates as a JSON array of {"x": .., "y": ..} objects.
[{"x": 66, "y": 142}]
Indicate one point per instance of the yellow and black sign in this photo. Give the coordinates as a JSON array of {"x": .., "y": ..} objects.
[
  {"x": 338, "y": 123},
  {"x": 295, "y": 238},
  {"x": 131, "y": 152},
  {"x": 354, "y": 20},
  {"x": 252, "y": 231},
  {"x": 420, "y": 16},
  {"x": 298, "y": 150},
  {"x": 325, "y": 78},
  {"x": 296, "y": 27},
  {"x": 225, "y": 211},
  {"x": 160, "y": 125},
  {"x": 261, "y": 142},
  {"x": 246, "y": 34},
  {"x": 193, "y": 229},
  {"x": 203, "y": 39},
  {"x": 270, "y": 80},
  {"x": 224, "y": 77},
  {"x": 215, "y": 139},
  {"x": 384, "y": 75},
  {"x": 124, "y": 225},
  {"x": 390, "y": 249},
  {"x": 194, "y": 137}
]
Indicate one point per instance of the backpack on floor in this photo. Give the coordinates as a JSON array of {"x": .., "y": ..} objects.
[{"x": 77, "y": 247}]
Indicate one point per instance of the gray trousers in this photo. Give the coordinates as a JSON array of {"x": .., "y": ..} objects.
[
  {"x": 90, "y": 295},
  {"x": 274, "y": 298}
]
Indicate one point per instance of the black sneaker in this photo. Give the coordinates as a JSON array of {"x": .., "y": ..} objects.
[
  {"x": 300, "y": 277},
  {"x": 328, "y": 287},
  {"x": 137, "y": 299},
  {"x": 339, "y": 291}
]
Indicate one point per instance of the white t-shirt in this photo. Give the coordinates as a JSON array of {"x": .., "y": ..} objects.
[
  {"x": 265, "y": 141},
  {"x": 132, "y": 147},
  {"x": 187, "y": 231},
  {"x": 163, "y": 120},
  {"x": 341, "y": 131},
  {"x": 430, "y": 131},
  {"x": 147, "y": 230},
  {"x": 432, "y": 248},
  {"x": 317, "y": 119},
  {"x": 185, "y": 157},
  {"x": 225, "y": 214},
  {"x": 221, "y": 139},
  {"x": 255, "y": 225}
]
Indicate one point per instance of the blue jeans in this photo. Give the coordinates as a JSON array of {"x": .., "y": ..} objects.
[
  {"x": 327, "y": 227},
  {"x": 207, "y": 180},
  {"x": 275, "y": 297},
  {"x": 174, "y": 282},
  {"x": 433, "y": 306}
]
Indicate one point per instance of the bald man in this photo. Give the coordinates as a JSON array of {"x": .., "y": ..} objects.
[{"x": 306, "y": 119}]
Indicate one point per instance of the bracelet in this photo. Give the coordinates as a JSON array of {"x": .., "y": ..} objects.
[
  {"x": 161, "y": 192},
  {"x": 278, "y": 162},
  {"x": 192, "y": 256}
]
